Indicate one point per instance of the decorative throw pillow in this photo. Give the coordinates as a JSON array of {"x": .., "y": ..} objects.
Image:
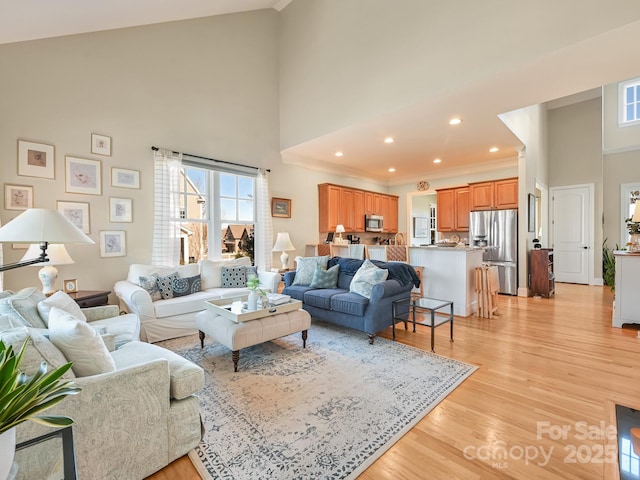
[
  {"x": 234, "y": 277},
  {"x": 165, "y": 285},
  {"x": 23, "y": 307},
  {"x": 80, "y": 344},
  {"x": 211, "y": 270},
  {"x": 251, "y": 272},
  {"x": 367, "y": 276},
  {"x": 186, "y": 286},
  {"x": 62, "y": 301},
  {"x": 306, "y": 267},
  {"x": 150, "y": 284},
  {"x": 325, "y": 278}
]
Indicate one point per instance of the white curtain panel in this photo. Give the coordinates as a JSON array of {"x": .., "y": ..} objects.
[
  {"x": 263, "y": 238},
  {"x": 166, "y": 225}
]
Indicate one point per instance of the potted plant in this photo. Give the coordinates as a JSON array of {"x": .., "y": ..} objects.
[
  {"x": 24, "y": 397},
  {"x": 253, "y": 283}
]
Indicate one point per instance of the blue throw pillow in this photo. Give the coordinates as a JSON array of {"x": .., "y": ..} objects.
[
  {"x": 150, "y": 284},
  {"x": 234, "y": 277},
  {"x": 186, "y": 286},
  {"x": 165, "y": 285},
  {"x": 325, "y": 278}
]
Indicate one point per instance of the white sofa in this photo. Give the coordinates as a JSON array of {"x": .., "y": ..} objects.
[
  {"x": 175, "y": 317},
  {"x": 128, "y": 423}
]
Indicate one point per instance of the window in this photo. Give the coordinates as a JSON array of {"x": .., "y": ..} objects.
[
  {"x": 217, "y": 213},
  {"x": 629, "y": 102}
]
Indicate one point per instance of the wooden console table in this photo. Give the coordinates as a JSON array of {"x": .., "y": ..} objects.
[{"x": 91, "y": 298}]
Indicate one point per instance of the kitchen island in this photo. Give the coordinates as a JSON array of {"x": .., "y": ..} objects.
[{"x": 448, "y": 274}]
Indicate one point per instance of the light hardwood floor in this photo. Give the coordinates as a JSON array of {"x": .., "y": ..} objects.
[{"x": 545, "y": 366}]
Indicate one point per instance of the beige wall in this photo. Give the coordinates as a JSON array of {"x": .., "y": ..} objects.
[
  {"x": 575, "y": 158},
  {"x": 205, "y": 86}
]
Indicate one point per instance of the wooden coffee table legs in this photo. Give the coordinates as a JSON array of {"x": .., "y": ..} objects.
[{"x": 235, "y": 354}]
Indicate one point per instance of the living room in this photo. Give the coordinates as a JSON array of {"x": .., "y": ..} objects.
[{"x": 251, "y": 87}]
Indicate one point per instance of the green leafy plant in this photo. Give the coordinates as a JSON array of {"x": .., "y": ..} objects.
[
  {"x": 608, "y": 266},
  {"x": 24, "y": 397}
]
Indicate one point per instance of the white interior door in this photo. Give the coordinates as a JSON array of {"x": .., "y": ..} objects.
[{"x": 572, "y": 219}]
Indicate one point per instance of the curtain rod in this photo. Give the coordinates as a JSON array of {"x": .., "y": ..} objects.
[{"x": 155, "y": 149}]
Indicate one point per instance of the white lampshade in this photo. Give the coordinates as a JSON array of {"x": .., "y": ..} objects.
[
  {"x": 56, "y": 253},
  {"x": 283, "y": 244},
  {"x": 42, "y": 225},
  {"x": 340, "y": 229},
  {"x": 48, "y": 274},
  {"x": 636, "y": 214}
]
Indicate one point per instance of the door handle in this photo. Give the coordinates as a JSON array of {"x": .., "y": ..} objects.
[{"x": 586, "y": 248}]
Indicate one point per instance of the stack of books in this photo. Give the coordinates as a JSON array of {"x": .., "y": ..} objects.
[{"x": 278, "y": 298}]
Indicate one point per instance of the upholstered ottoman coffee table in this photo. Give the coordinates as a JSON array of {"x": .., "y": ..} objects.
[{"x": 227, "y": 322}]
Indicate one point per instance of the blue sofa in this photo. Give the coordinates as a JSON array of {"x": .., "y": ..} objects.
[{"x": 342, "y": 307}]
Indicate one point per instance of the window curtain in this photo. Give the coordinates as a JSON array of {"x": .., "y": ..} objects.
[
  {"x": 166, "y": 224},
  {"x": 263, "y": 238},
  {"x": 1, "y": 263}
]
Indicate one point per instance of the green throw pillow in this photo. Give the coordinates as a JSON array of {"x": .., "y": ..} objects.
[
  {"x": 325, "y": 278},
  {"x": 306, "y": 267},
  {"x": 367, "y": 276}
]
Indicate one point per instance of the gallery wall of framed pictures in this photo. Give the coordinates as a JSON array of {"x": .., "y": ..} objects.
[{"x": 83, "y": 178}]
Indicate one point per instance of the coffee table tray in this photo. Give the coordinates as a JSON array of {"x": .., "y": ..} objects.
[{"x": 234, "y": 308}]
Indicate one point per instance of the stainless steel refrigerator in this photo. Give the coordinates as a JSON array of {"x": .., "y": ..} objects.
[{"x": 497, "y": 231}]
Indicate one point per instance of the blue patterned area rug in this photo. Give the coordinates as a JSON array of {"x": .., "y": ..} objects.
[{"x": 327, "y": 411}]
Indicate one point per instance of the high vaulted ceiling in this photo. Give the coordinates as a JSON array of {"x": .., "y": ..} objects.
[{"x": 421, "y": 132}]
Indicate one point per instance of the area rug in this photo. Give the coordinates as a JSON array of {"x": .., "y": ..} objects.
[{"x": 327, "y": 411}]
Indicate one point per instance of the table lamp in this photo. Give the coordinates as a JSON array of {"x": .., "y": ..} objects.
[
  {"x": 48, "y": 274},
  {"x": 283, "y": 244},
  {"x": 339, "y": 230},
  {"x": 39, "y": 225}
]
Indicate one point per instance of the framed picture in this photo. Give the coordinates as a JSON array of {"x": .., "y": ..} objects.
[
  {"x": 120, "y": 209},
  {"x": 421, "y": 227},
  {"x": 83, "y": 176},
  {"x": 112, "y": 243},
  {"x": 121, "y": 177},
  {"x": 100, "y": 144},
  {"x": 36, "y": 159},
  {"x": 281, "y": 207},
  {"x": 77, "y": 213},
  {"x": 18, "y": 197},
  {"x": 531, "y": 226},
  {"x": 71, "y": 285}
]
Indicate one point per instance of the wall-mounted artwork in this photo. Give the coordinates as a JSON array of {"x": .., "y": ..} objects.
[
  {"x": 421, "y": 227},
  {"x": 36, "y": 159},
  {"x": 100, "y": 144},
  {"x": 121, "y": 177},
  {"x": 112, "y": 243},
  {"x": 18, "y": 197},
  {"x": 120, "y": 210},
  {"x": 281, "y": 207},
  {"x": 83, "y": 176},
  {"x": 77, "y": 213}
]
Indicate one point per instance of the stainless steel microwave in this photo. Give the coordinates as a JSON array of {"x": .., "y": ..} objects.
[{"x": 373, "y": 223}]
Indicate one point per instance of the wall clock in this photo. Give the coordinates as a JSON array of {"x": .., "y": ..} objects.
[{"x": 422, "y": 185}]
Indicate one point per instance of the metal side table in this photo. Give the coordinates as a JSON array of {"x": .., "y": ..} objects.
[{"x": 422, "y": 305}]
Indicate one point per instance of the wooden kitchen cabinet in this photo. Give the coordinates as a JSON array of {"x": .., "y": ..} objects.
[
  {"x": 506, "y": 193},
  {"x": 481, "y": 195},
  {"x": 496, "y": 195},
  {"x": 453, "y": 209},
  {"x": 347, "y": 206}
]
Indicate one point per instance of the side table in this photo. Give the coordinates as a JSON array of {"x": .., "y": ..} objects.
[
  {"x": 422, "y": 305},
  {"x": 68, "y": 453},
  {"x": 91, "y": 298}
]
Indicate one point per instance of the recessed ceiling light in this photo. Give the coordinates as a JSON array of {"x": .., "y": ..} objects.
[
  {"x": 388, "y": 140},
  {"x": 437, "y": 160},
  {"x": 339, "y": 154},
  {"x": 455, "y": 121},
  {"x": 392, "y": 169},
  {"x": 494, "y": 149}
]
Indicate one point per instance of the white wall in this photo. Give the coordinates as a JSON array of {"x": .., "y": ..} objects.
[{"x": 206, "y": 86}]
